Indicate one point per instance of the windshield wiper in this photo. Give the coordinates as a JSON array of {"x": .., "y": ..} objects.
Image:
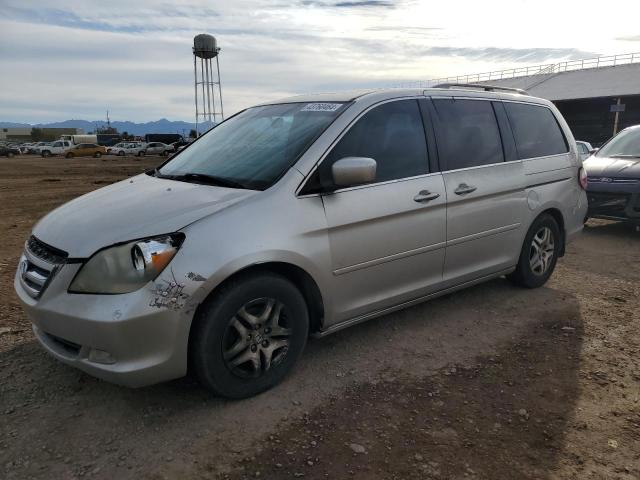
[
  {"x": 205, "y": 179},
  {"x": 624, "y": 155}
]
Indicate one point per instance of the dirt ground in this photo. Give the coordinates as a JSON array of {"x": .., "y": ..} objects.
[{"x": 494, "y": 382}]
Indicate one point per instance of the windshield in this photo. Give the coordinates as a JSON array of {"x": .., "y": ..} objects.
[
  {"x": 625, "y": 144},
  {"x": 254, "y": 148}
]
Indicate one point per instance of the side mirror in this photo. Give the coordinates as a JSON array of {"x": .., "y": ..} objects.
[
  {"x": 351, "y": 171},
  {"x": 593, "y": 150}
]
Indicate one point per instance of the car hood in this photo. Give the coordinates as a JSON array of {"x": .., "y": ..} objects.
[
  {"x": 612, "y": 167},
  {"x": 138, "y": 207}
]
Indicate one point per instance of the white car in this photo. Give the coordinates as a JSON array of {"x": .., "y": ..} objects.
[
  {"x": 158, "y": 148},
  {"x": 128, "y": 148},
  {"x": 37, "y": 147},
  {"x": 584, "y": 149},
  {"x": 56, "y": 148}
]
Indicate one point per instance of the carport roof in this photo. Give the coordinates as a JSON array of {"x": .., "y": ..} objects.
[{"x": 615, "y": 81}]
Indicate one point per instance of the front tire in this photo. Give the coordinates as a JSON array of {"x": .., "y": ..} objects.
[
  {"x": 69, "y": 155},
  {"x": 121, "y": 153},
  {"x": 97, "y": 155},
  {"x": 539, "y": 253},
  {"x": 248, "y": 336},
  {"x": 46, "y": 153}
]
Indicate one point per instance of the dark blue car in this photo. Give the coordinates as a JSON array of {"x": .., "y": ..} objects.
[{"x": 614, "y": 178}]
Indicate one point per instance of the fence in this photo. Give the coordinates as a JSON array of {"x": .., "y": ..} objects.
[{"x": 571, "y": 65}]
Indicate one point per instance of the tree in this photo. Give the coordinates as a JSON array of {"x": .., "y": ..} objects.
[
  {"x": 37, "y": 134},
  {"x": 106, "y": 130},
  {"x": 193, "y": 133}
]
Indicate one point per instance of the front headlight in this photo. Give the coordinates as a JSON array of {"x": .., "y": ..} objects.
[{"x": 128, "y": 267}]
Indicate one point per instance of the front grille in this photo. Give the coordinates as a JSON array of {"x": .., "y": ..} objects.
[
  {"x": 38, "y": 265},
  {"x": 69, "y": 347},
  {"x": 45, "y": 252},
  {"x": 616, "y": 181}
]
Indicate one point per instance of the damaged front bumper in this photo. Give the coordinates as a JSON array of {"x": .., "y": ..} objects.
[
  {"x": 134, "y": 339},
  {"x": 615, "y": 201}
]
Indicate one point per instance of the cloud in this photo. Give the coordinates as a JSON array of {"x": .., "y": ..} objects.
[
  {"x": 631, "y": 38},
  {"x": 350, "y": 4},
  {"x": 73, "y": 58},
  {"x": 516, "y": 55},
  {"x": 367, "y": 3}
]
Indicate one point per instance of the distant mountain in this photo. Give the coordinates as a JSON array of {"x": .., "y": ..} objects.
[{"x": 159, "y": 126}]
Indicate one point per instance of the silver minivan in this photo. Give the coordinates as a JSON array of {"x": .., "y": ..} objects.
[{"x": 301, "y": 217}]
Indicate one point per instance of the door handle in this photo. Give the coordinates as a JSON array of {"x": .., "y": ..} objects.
[
  {"x": 463, "y": 189},
  {"x": 425, "y": 196}
]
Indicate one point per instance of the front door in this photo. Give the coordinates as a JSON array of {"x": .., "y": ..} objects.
[{"x": 387, "y": 238}]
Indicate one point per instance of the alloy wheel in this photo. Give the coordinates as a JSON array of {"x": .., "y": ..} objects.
[
  {"x": 257, "y": 338},
  {"x": 542, "y": 251}
]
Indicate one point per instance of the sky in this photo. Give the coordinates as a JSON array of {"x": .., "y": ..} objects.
[{"x": 74, "y": 59}]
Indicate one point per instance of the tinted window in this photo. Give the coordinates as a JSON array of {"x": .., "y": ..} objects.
[
  {"x": 392, "y": 134},
  {"x": 536, "y": 130},
  {"x": 467, "y": 133}
]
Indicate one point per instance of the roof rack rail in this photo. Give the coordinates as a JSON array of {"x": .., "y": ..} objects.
[{"x": 486, "y": 88}]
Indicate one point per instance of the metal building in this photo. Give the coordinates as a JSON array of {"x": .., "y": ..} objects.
[{"x": 598, "y": 97}]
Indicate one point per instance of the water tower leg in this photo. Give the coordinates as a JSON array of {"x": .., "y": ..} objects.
[
  {"x": 195, "y": 85},
  {"x": 204, "y": 98},
  {"x": 207, "y": 63},
  {"x": 220, "y": 88}
]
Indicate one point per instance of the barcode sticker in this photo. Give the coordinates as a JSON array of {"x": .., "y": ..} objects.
[{"x": 321, "y": 107}]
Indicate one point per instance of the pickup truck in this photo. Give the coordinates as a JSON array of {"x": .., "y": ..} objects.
[{"x": 56, "y": 148}]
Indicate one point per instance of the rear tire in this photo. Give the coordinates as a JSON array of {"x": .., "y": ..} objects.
[
  {"x": 46, "y": 153},
  {"x": 69, "y": 155},
  {"x": 97, "y": 155},
  {"x": 121, "y": 153},
  {"x": 10, "y": 154},
  {"x": 247, "y": 337},
  {"x": 539, "y": 253},
  {"x": 141, "y": 153}
]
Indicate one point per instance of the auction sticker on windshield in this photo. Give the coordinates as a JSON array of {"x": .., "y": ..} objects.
[{"x": 321, "y": 107}]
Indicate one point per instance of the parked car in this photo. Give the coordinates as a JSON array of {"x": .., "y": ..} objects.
[
  {"x": 158, "y": 148},
  {"x": 584, "y": 149},
  {"x": 86, "y": 150},
  {"x": 614, "y": 178},
  {"x": 36, "y": 148},
  {"x": 9, "y": 151},
  {"x": 24, "y": 147},
  {"x": 179, "y": 146},
  {"x": 299, "y": 217},
  {"x": 59, "y": 147},
  {"x": 128, "y": 148}
]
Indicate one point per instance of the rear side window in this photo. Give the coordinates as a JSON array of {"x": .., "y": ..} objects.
[
  {"x": 393, "y": 135},
  {"x": 467, "y": 133},
  {"x": 536, "y": 130}
]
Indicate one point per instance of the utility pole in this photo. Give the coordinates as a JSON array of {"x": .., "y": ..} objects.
[{"x": 617, "y": 117}]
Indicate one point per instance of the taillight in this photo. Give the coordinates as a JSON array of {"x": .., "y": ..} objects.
[{"x": 582, "y": 178}]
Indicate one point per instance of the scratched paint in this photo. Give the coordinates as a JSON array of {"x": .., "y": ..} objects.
[
  {"x": 168, "y": 294},
  {"x": 195, "y": 277}
]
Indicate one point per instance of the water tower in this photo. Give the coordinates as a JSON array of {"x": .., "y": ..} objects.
[{"x": 208, "y": 107}]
